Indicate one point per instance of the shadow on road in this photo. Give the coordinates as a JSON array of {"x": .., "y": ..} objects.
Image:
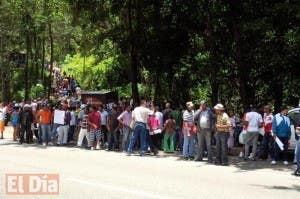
[{"x": 293, "y": 187}]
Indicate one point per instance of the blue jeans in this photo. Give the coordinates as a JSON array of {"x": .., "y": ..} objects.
[
  {"x": 46, "y": 132},
  {"x": 298, "y": 154},
  {"x": 139, "y": 131},
  {"x": 54, "y": 130},
  {"x": 188, "y": 145},
  {"x": 178, "y": 142},
  {"x": 126, "y": 137},
  {"x": 113, "y": 141}
]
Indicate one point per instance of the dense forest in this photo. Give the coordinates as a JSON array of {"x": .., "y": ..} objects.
[{"x": 235, "y": 52}]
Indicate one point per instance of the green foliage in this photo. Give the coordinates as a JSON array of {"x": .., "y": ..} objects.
[
  {"x": 235, "y": 52},
  {"x": 37, "y": 91}
]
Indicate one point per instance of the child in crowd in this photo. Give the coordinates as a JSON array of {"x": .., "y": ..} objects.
[{"x": 170, "y": 126}]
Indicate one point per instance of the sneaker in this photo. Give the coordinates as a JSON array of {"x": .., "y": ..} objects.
[
  {"x": 50, "y": 144},
  {"x": 241, "y": 155},
  {"x": 286, "y": 163},
  {"x": 251, "y": 156},
  {"x": 297, "y": 173},
  {"x": 198, "y": 160},
  {"x": 44, "y": 144},
  {"x": 273, "y": 162},
  {"x": 98, "y": 147},
  {"x": 92, "y": 148}
]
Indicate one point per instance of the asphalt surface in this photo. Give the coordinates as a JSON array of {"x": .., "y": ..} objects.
[{"x": 100, "y": 174}]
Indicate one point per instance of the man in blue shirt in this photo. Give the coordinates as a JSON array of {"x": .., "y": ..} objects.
[{"x": 282, "y": 130}]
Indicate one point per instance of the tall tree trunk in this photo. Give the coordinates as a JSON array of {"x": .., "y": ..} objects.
[
  {"x": 242, "y": 68},
  {"x": 278, "y": 95},
  {"x": 51, "y": 59},
  {"x": 43, "y": 59},
  {"x": 133, "y": 54},
  {"x": 213, "y": 63},
  {"x": 35, "y": 62},
  {"x": 26, "y": 69}
]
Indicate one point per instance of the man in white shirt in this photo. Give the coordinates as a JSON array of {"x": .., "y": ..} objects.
[
  {"x": 254, "y": 121},
  {"x": 2, "y": 119},
  {"x": 104, "y": 115},
  {"x": 140, "y": 116}
]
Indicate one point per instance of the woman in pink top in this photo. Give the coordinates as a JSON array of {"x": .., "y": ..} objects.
[{"x": 154, "y": 132}]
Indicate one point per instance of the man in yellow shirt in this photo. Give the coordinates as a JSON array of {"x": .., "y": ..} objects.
[{"x": 223, "y": 125}]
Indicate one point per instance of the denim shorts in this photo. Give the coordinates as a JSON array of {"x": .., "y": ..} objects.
[{"x": 95, "y": 135}]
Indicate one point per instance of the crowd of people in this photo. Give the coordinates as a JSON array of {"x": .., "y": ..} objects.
[{"x": 205, "y": 132}]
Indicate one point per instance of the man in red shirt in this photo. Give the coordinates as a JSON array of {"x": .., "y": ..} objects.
[
  {"x": 268, "y": 140},
  {"x": 95, "y": 128}
]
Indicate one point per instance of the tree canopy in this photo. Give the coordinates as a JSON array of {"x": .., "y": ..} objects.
[{"x": 235, "y": 52}]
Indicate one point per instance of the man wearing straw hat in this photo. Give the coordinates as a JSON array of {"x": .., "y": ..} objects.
[{"x": 223, "y": 125}]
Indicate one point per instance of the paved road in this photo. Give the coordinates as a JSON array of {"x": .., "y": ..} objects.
[{"x": 100, "y": 174}]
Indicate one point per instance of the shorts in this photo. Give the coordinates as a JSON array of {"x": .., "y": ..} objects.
[
  {"x": 2, "y": 125},
  {"x": 95, "y": 135}
]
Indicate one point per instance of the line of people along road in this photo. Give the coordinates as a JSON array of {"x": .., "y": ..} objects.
[{"x": 144, "y": 128}]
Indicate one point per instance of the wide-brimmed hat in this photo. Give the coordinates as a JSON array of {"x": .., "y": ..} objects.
[
  {"x": 189, "y": 104},
  {"x": 27, "y": 106},
  {"x": 203, "y": 102},
  {"x": 82, "y": 106},
  {"x": 219, "y": 107}
]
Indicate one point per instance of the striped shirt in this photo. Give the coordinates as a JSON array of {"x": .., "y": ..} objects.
[{"x": 188, "y": 116}]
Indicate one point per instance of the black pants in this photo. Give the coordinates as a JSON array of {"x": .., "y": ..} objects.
[
  {"x": 104, "y": 134},
  {"x": 71, "y": 133},
  {"x": 267, "y": 146},
  {"x": 36, "y": 132},
  {"x": 277, "y": 151},
  {"x": 28, "y": 131},
  {"x": 154, "y": 142}
]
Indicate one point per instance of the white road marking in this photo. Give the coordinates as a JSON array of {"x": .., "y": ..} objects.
[{"x": 140, "y": 193}]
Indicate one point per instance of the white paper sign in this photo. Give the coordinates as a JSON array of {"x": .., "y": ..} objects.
[
  {"x": 59, "y": 117},
  {"x": 279, "y": 143}
]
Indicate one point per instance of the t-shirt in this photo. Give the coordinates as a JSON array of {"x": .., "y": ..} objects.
[
  {"x": 154, "y": 122},
  {"x": 15, "y": 118},
  {"x": 170, "y": 126},
  {"x": 113, "y": 121},
  {"x": 126, "y": 117},
  {"x": 254, "y": 119},
  {"x": 268, "y": 119},
  {"x": 141, "y": 114},
  {"x": 223, "y": 119},
  {"x": 46, "y": 116},
  {"x": 177, "y": 115},
  {"x": 104, "y": 115},
  {"x": 160, "y": 117},
  {"x": 2, "y": 114},
  {"x": 95, "y": 118},
  {"x": 73, "y": 119},
  {"x": 204, "y": 120},
  {"x": 188, "y": 116}
]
